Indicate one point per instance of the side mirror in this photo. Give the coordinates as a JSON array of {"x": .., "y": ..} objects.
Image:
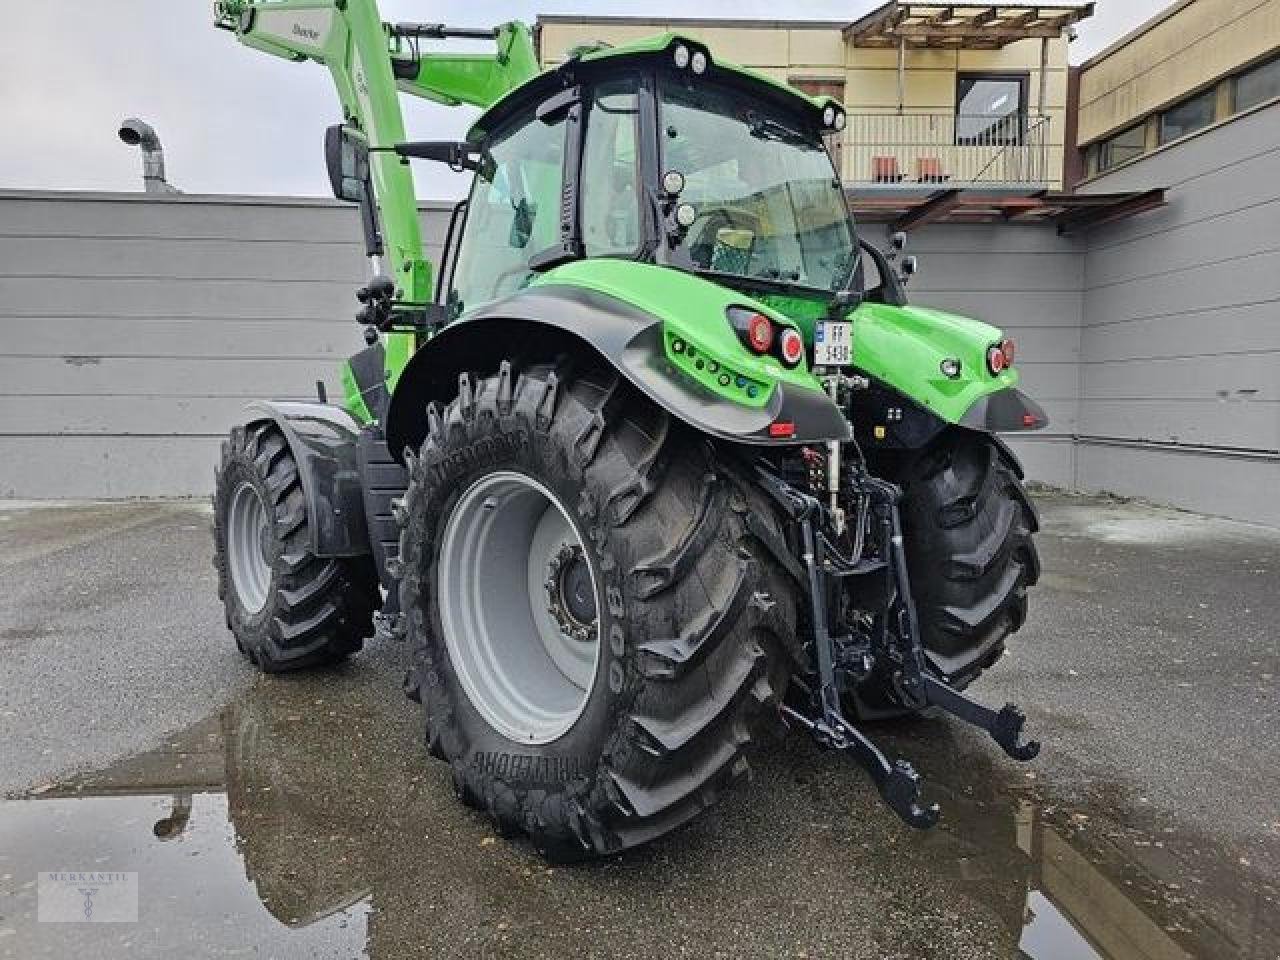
[
  {"x": 909, "y": 267},
  {"x": 898, "y": 240},
  {"x": 346, "y": 155}
]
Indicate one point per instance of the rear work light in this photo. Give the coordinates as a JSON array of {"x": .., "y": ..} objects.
[{"x": 791, "y": 346}]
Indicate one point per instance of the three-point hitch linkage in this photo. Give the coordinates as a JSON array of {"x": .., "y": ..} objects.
[{"x": 872, "y": 575}]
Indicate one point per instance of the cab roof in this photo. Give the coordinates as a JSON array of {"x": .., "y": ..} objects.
[{"x": 595, "y": 62}]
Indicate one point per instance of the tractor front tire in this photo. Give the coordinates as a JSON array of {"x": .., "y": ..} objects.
[
  {"x": 967, "y": 526},
  {"x": 594, "y": 626},
  {"x": 287, "y": 608}
]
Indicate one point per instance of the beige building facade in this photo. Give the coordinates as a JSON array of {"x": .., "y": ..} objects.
[
  {"x": 1198, "y": 64},
  {"x": 936, "y": 94}
]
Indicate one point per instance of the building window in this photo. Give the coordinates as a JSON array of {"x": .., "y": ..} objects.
[
  {"x": 819, "y": 86},
  {"x": 990, "y": 109},
  {"x": 1256, "y": 86},
  {"x": 1123, "y": 147},
  {"x": 1188, "y": 116}
]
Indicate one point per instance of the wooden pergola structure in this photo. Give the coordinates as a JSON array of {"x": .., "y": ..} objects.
[
  {"x": 964, "y": 26},
  {"x": 972, "y": 26},
  {"x": 1071, "y": 212}
]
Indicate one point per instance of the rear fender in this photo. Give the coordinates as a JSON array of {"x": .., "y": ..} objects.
[
  {"x": 544, "y": 320},
  {"x": 322, "y": 439}
]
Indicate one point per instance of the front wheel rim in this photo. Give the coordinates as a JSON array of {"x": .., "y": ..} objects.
[
  {"x": 518, "y": 603},
  {"x": 248, "y": 548}
]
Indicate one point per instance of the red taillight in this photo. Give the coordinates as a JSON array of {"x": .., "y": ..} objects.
[
  {"x": 1030, "y": 420},
  {"x": 791, "y": 345},
  {"x": 782, "y": 429},
  {"x": 1007, "y": 348},
  {"x": 995, "y": 360},
  {"x": 759, "y": 333}
]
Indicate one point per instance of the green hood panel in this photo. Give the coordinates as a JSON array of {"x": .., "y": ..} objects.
[{"x": 905, "y": 346}]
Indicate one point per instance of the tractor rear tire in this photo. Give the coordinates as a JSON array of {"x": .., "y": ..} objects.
[
  {"x": 287, "y": 608},
  {"x": 967, "y": 526},
  {"x": 690, "y": 613}
]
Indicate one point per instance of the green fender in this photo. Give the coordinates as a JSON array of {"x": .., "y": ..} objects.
[
  {"x": 905, "y": 347},
  {"x": 664, "y": 330}
]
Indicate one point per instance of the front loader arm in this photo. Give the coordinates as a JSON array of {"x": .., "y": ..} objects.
[
  {"x": 371, "y": 62},
  {"x": 478, "y": 80}
]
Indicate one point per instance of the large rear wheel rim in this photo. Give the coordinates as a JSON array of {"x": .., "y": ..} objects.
[
  {"x": 518, "y": 607},
  {"x": 248, "y": 548}
]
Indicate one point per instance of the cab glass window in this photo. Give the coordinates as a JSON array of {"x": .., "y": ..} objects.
[
  {"x": 768, "y": 203},
  {"x": 610, "y": 214},
  {"x": 513, "y": 213}
]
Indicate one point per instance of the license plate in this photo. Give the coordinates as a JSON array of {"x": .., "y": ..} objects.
[{"x": 833, "y": 344}]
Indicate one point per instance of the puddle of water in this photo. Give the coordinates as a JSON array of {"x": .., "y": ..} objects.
[
  {"x": 193, "y": 886},
  {"x": 266, "y": 831},
  {"x": 1065, "y": 583}
]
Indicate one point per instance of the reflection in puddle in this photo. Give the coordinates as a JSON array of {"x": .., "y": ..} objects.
[
  {"x": 261, "y": 833},
  {"x": 193, "y": 888},
  {"x": 1074, "y": 912}
]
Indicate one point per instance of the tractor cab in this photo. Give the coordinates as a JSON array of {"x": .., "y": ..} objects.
[{"x": 654, "y": 153}]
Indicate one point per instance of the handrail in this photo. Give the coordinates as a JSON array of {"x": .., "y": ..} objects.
[{"x": 930, "y": 147}]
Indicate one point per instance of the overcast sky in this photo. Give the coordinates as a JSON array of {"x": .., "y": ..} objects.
[{"x": 237, "y": 121}]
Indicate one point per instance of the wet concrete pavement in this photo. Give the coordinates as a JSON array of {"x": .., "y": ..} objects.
[{"x": 299, "y": 816}]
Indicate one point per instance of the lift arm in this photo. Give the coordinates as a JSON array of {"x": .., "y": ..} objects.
[{"x": 371, "y": 62}]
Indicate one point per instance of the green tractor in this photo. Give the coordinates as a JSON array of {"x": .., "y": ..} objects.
[{"x": 659, "y": 453}]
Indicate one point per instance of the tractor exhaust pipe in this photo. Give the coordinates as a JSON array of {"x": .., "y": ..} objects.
[{"x": 138, "y": 133}]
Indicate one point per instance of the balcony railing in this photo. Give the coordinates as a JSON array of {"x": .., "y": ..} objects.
[{"x": 943, "y": 149}]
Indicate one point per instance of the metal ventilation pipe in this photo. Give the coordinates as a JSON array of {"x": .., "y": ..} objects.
[{"x": 138, "y": 133}]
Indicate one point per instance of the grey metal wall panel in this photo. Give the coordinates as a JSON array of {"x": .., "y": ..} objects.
[
  {"x": 1017, "y": 273},
  {"x": 123, "y": 416},
  {"x": 1207, "y": 376},
  {"x": 1214, "y": 241},
  {"x": 179, "y": 259},
  {"x": 1180, "y": 340},
  {"x": 1237, "y": 422},
  {"x": 58, "y": 214},
  {"x": 133, "y": 329},
  {"x": 70, "y": 467},
  {"x": 1047, "y": 458},
  {"x": 87, "y": 376},
  {"x": 1033, "y": 308},
  {"x": 1240, "y": 282},
  {"x": 1207, "y": 482},
  {"x": 1249, "y": 329},
  {"x": 1015, "y": 240},
  {"x": 331, "y": 337}
]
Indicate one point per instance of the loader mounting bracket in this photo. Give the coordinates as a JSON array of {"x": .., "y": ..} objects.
[{"x": 891, "y": 648}]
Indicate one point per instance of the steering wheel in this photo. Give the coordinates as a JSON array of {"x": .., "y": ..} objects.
[{"x": 713, "y": 221}]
